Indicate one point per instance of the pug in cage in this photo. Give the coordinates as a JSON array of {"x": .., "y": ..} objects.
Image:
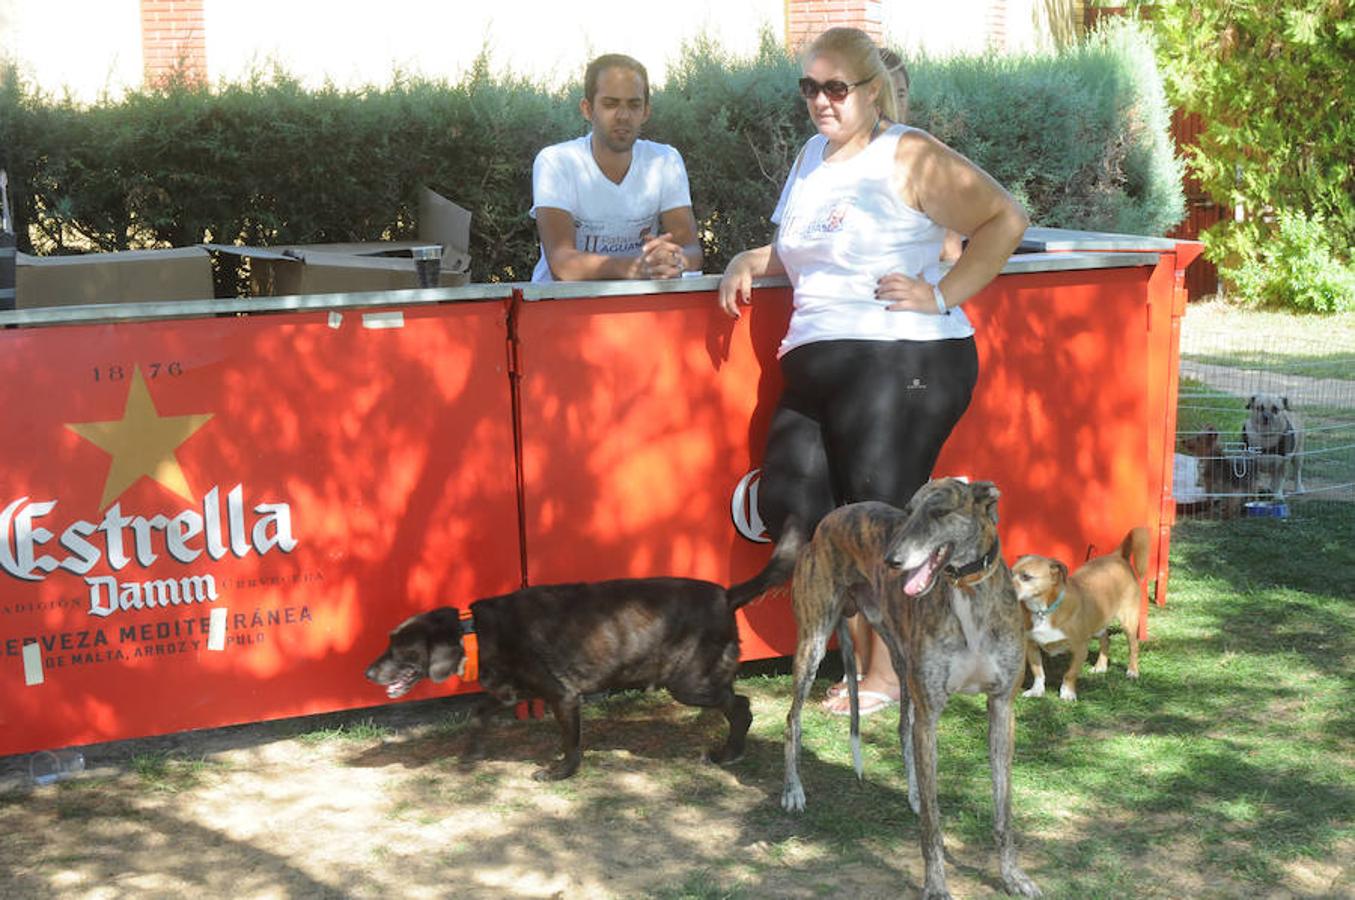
[{"x": 1275, "y": 434}]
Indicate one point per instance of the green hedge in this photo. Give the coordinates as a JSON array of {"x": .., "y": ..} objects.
[{"x": 1079, "y": 136}]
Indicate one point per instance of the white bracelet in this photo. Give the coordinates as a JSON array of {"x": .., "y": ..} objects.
[{"x": 941, "y": 308}]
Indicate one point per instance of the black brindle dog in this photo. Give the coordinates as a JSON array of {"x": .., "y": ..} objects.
[{"x": 562, "y": 641}]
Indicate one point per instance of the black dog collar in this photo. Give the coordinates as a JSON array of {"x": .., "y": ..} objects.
[{"x": 979, "y": 565}]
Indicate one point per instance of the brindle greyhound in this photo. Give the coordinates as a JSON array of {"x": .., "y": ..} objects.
[{"x": 930, "y": 579}]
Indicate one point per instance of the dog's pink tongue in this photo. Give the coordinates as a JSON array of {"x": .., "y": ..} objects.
[
  {"x": 921, "y": 577},
  {"x": 400, "y": 687}
]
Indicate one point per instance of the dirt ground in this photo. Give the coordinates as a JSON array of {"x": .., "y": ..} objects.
[
  {"x": 376, "y": 803},
  {"x": 323, "y": 807}
]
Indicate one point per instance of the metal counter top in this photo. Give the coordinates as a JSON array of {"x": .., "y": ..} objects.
[
  {"x": 1063, "y": 239},
  {"x": 1071, "y": 258},
  {"x": 1020, "y": 264},
  {"x": 197, "y": 309}
]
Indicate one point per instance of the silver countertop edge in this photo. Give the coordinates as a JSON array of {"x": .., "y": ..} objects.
[
  {"x": 196, "y": 309},
  {"x": 1040, "y": 238},
  {"x": 572, "y": 290},
  {"x": 1026, "y": 263},
  {"x": 1020, "y": 264}
]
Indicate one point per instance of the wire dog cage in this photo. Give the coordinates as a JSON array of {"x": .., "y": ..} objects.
[{"x": 1265, "y": 421}]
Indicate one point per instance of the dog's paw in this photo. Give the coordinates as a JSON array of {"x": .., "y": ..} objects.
[
  {"x": 1035, "y": 691},
  {"x": 723, "y": 756},
  {"x": 557, "y": 771},
  {"x": 551, "y": 773},
  {"x": 1067, "y": 693},
  {"x": 793, "y": 797},
  {"x": 1100, "y": 668},
  {"x": 1019, "y": 884},
  {"x": 1131, "y": 673}
]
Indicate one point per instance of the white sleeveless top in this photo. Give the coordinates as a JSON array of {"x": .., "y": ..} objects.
[{"x": 842, "y": 227}]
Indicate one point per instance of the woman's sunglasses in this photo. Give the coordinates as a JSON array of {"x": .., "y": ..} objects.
[{"x": 834, "y": 90}]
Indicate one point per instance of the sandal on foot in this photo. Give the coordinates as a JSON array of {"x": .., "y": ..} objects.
[
  {"x": 838, "y": 688},
  {"x": 868, "y": 702}
]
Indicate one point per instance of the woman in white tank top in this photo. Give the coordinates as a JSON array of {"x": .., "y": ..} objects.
[
  {"x": 879, "y": 359},
  {"x": 928, "y": 178}
]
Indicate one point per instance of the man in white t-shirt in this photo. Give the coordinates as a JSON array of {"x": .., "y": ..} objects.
[{"x": 609, "y": 205}]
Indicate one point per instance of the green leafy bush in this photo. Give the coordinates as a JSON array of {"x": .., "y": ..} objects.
[
  {"x": 1079, "y": 136},
  {"x": 1294, "y": 266},
  {"x": 1274, "y": 83}
]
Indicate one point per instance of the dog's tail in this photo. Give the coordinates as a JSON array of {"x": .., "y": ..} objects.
[
  {"x": 778, "y": 569},
  {"x": 1134, "y": 549}
]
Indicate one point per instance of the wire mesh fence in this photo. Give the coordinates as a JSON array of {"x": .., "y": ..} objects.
[{"x": 1265, "y": 419}]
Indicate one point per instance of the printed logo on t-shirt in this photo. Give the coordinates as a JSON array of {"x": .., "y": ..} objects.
[
  {"x": 826, "y": 219},
  {"x": 612, "y": 238}
]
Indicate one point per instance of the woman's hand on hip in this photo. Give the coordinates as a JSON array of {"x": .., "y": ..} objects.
[{"x": 904, "y": 292}]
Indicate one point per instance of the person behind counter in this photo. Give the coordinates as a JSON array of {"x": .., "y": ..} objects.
[
  {"x": 879, "y": 360},
  {"x": 609, "y": 204},
  {"x": 953, "y": 243}
]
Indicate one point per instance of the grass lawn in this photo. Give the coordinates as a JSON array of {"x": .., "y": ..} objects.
[{"x": 1281, "y": 342}]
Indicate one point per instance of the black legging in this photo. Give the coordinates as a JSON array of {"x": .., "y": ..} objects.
[{"x": 860, "y": 420}]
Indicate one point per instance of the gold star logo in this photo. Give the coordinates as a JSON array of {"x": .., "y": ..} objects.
[{"x": 142, "y": 442}]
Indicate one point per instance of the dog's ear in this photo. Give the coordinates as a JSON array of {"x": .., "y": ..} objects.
[
  {"x": 445, "y": 654},
  {"x": 445, "y": 660},
  {"x": 1060, "y": 571},
  {"x": 1284, "y": 401},
  {"x": 1251, "y": 404},
  {"x": 985, "y": 495}
]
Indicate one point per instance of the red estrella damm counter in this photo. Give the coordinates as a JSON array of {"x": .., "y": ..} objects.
[{"x": 321, "y": 467}]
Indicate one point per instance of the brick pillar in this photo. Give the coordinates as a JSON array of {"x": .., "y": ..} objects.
[
  {"x": 807, "y": 19},
  {"x": 173, "y": 40},
  {"x": 997, "y": 25}
]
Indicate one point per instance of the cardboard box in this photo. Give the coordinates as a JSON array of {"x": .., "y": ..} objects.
[
  {"x": 180, "y": 273},
  {"x": 305, "y": 270},
  {"x": 185, "y": 273},
  {"x": 362, "y": 266}
]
